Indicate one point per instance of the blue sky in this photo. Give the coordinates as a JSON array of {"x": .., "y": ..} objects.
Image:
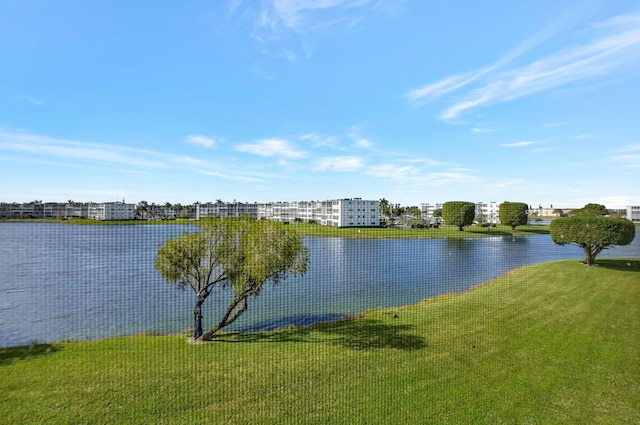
[{"x": 281, "y": 100}]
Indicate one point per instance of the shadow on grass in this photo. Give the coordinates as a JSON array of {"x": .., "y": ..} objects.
[
  {"x": 504, "y": 231},
  {"x": 630, "y": 265},
  {"x": 11, "y": 354},
  {"x": 543, "y": 231},
  {"x": 358, "y": 334}
]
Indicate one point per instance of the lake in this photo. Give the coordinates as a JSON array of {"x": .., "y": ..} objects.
[{"x": 70, "y": 282}]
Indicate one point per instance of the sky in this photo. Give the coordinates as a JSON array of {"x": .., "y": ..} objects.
[{"x": 413, "y": 101}]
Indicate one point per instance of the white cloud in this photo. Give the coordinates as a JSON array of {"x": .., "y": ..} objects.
[
  {"x": 411, "y": 173},
  {"x": 518, "y": 144},
  {"x": 631, "y": 161},
  {"x": 340, "y": 163},
  {"x": 451, "y": 83},
  {"x": 271, "y": 147},
  {"x": 483, "y": 130},
  {"x": 227, "y": 176},
  {"x": 319, "y": 140},
  {"x": 205, "y": 141},
  {"x": 395, "y": 172},
  {"x": 78, "y": 151},
  {"x": 301, "y": 14},
  {"x": 32, "y": 100},
  {"x": 630, "y": 148},
  {"x": 65, "y": 153},
  {"x": 363, "y": 143},
  {"x": 614, "y": 46}
]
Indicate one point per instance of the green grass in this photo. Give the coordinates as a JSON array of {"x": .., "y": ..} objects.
[
  {"x": 553, "y": 343},
  {"x": 450, "y": 232}
]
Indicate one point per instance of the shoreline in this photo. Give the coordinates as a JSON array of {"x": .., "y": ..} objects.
[{"x": 443, "y": 232}]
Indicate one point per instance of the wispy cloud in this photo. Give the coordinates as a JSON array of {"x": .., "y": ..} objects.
[
  {"x": 234, "y": 177},
  {"x": 78, "y": 151},
  {"x": 196, "y": 139},
  {"x": 32, "y": 100},
  {"x": 318, "y": 140},
  {"x": 340, "y": 163},
  {"x": 518, "y": 144},
  {"x": 630, "y": 148},
  {"x": 284, "y": 27},
  {"x": 417, "y": 174},
  {"x": 629, "y": 156},
  {"x": 271, "y": 147},
  {"x": 304, "y": 15},
  {"x": 363, "y": 143},
  {"x": 451, "y": 83},
  {"x": 120, "y": 159},
  {"x": 483, "y": 130},
  {"x": 613, "y": 45}
]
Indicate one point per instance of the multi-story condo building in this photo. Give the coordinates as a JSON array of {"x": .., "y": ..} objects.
[
  {"x": 65, "y": 210},
  {"x": 354, "y": 212},
  {"x": 112, "y": 211},
  {"x": 633, "y": 213},
  {"x": 487, "y": 213},
  {"x": 227, "y": 209},
  {"x": 427, "y": 210}
]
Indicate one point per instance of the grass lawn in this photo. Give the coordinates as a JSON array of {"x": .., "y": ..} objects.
[
  {"x": 552, "y": 343},
  {"x": 341, "y": 232},
  {"x": 450, "y": 232}
]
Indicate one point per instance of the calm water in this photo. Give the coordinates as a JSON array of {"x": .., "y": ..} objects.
[{"x": 61, "y": 282}]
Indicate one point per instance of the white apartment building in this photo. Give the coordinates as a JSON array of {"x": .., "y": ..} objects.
[
  {"x": 66, "y": 210},
  {"x": 227, "y": 209},
  {"x": 354, "y": 212},
  {"x": 427, "y": 210},
  {"x": 111, "y": 211},
  {"x": 487, "y": 213},
  {"x": 633, "y": 213}
]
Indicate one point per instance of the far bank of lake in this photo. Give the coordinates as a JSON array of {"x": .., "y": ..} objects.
[{"x": 85, "y": 282}]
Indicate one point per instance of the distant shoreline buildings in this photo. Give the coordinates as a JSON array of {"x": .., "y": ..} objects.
[{"x": 348, "y": 212}]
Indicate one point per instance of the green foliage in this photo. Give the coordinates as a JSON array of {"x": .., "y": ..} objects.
[
  {"x": 513, "y": 214},
  {"x": 242, "y": 254},
  {"x": 597, "y": 210},
  {"x": 458, "y": 213},
  {"x": 262, "y": 251},
  {"x": 592, "y": 233}
]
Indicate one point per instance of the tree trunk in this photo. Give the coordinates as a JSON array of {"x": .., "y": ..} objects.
[
  {"x": 197, "y": 315},
  {"x": 227, "y": 319},
  {"x": 589, "y": 257}
]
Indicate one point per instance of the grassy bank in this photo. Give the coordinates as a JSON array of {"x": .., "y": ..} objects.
[
  {"x": 450, "y": 232},
  {"x": 554, "y": 343}
]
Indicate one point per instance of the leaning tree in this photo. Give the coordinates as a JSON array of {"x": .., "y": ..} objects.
[
  {"x": 458, "y": 213},
  {"x": 592, "y": 233},
  {"x": 513, "y": 214},
  {"x": 240, "y": 254}
]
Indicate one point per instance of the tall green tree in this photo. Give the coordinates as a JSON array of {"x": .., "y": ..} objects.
[
  {"x": 513, "y": 214},
  {"x": 239, "y": 254},
  {"x": 591, "y": 209},
  {"x": 592, "y": 233},
  {"x": 458, "y": 213}
]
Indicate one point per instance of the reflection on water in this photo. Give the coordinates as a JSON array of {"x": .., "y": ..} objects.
[{"x": 84, "y": 282}]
